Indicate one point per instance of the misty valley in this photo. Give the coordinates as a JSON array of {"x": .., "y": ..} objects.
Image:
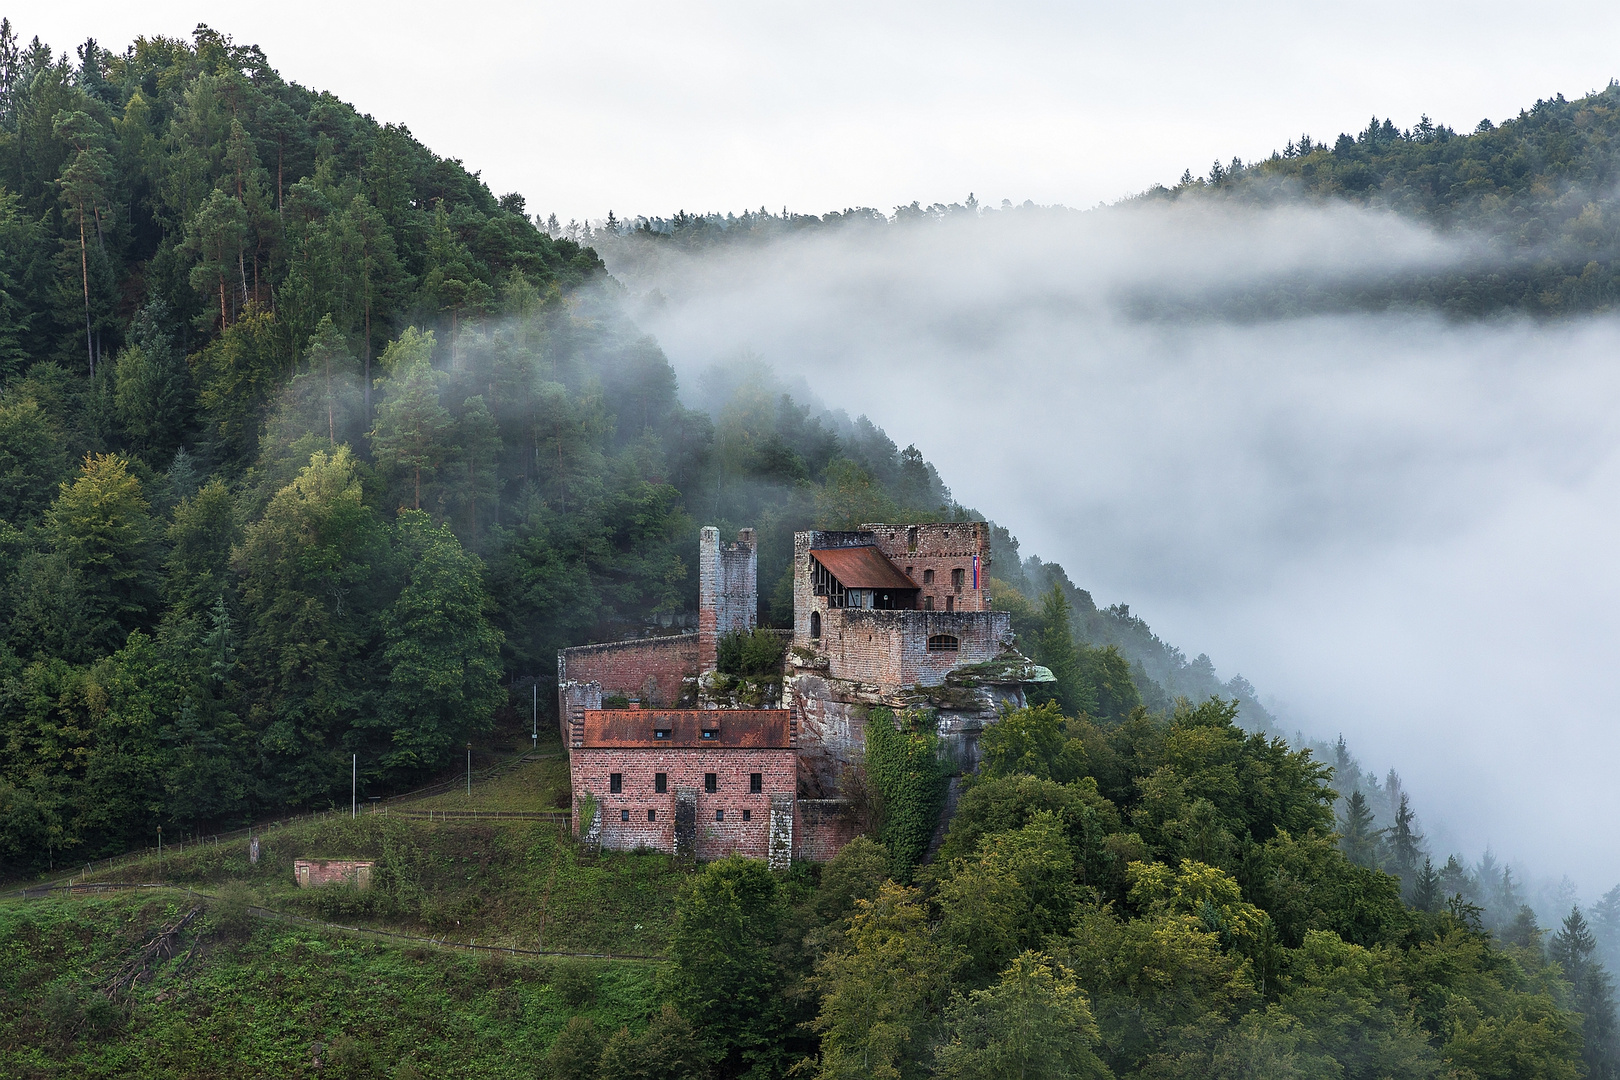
[{"x": 351, "y": 514}]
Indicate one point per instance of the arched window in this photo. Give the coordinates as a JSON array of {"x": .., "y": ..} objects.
[
  {"x": 815, "y": 624},
  {"x": 943, "y": 643}
]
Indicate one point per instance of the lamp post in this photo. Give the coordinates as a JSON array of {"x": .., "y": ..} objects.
[
  {"x": 354, "y": 785},
  {"x": 534, "y": 706}
]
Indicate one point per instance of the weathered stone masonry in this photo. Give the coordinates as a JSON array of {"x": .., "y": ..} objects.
[
  {"x": 728, "y": 590},
  {"x": 649, "y": 670},
  {"x": 892, "y": 616},
  {"x": 727, "y": 769}
]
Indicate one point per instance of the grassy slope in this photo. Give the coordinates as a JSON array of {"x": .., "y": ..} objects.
[
  {"x": 257, "y": 1005},
  {"x": 254, "y": 1002},
  {"x": 535, "y": 785}
]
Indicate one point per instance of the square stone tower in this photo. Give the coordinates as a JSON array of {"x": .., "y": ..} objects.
[{"x": 728, "y": 590}]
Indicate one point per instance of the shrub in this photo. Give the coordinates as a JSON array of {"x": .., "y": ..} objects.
[
  {"x": 751, "y": 654},
  {"x": 231, "y": 909},
  {"x": 575, "y": 983}
]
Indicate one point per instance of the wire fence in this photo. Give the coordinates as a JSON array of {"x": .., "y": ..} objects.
[{"x": 384, "y": 805}]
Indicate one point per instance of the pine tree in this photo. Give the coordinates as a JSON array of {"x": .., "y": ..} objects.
[
  {"x": 1523, "y": 931},
  {"x": 409, "y": 436},
  {"x": 1606, "y": 928},
  {"x": 1426, "y": 894},
  {"x": 214, "y": 239},
  {"x": 83, "y": 185},
  {"x": 330, "y": 361},
  {"x": 1591, "y": 991},
  {"x": 1357, "y": 836},
  {"x": 1404, "y": 844},
  {"x": 1055, "y": 649}
]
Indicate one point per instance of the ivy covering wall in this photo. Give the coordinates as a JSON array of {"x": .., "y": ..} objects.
[{"x": 907, "y": 781}]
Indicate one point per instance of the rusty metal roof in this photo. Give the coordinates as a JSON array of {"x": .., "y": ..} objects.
[
  {"x": 749, "y": 729},
  {"x": 861, "y": 568}
]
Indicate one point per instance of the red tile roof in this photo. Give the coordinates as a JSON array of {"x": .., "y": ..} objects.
[
  {"x": 861, "y": 568},
  {"x": 734, "y": 728}
]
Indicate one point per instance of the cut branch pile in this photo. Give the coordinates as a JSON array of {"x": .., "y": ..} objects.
[{"x": 162, "y": 946}]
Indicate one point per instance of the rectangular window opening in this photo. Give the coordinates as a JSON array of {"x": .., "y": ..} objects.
[
  {"x": 624, "y": 815},
  {"x": 711, "y": 733},
  {"x": 756, "y": 782},
  {"x": 748, "y": 815},
  {"x": 652, "y": 815},
  {"x": 719, "y": 815},
  {"x": 661, "y": 733},
  {"x": 616, "y": 782},
  {"x": 661, "y": 782},
  {"x": 956, "y": 579},
  {"x": 928, "y": 577},
  {"x": 711, "y": 783},
  {"x": 928, "y": 603},
  {"x": 950, "y": 603}
]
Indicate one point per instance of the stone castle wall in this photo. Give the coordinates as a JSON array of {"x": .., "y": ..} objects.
[
  {"x": 943, "y": 549},
  {"x": 890, "y": 648},
  {"x": 649, "y": 670}
]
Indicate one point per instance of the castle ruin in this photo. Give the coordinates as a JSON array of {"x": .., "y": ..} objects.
[{"x": 888, "y": 616}]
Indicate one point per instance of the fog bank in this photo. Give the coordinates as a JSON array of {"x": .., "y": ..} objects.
[{"x": 1399, "y": 526}]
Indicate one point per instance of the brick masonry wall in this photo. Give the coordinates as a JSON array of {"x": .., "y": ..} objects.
[
  {"x": 824, "y": 826},
  {"x": 592, "y": 769},
  {"x": 648, "y": 669},
  {"x": 312, "y": 872},
  {"x": 728, "y": 590},
  {"x": 804, "y": 599},
  {"x": 890, "y": 648},
  {"x": 942, "y": 548}
]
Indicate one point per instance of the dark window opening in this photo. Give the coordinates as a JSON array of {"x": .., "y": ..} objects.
[
  {"x": 928, "y": 603},
  {"x": 957, "y": 577},
  {"x": 822, "y": 583},
  {"x": 661, "y": 733},
  {"x": 756, "y": 782},
  {"x": 711, "y": 783},
  {"x": 943, "y": 643},
  {"x": 652, "y": 815},
  {"x": 661, "y": 782},
  {"x": 815, "y": 624},
  {"x": 624, "y": 815},
  {"x": 616, "y": 782},
  {"x": 950, "y": 603},
  {"x": 719, "y": 815},
  {"x": 748, "y": 815},
  {"x": 928, "y": 577},
  {"x": 710, "y": 733},
  {"x": 911, "y": 540}
]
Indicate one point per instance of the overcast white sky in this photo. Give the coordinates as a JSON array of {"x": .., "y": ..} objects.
[
  {"x": 1404, "y": 528},
  {"x": 653, "y": 107}
]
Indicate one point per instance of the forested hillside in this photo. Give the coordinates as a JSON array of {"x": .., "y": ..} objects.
[
  {"x": 1533, "y": 201},
  {"x": 311, "y": 447}
]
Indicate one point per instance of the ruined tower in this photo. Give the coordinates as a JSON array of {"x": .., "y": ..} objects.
[{"x": 728, "y": 590}]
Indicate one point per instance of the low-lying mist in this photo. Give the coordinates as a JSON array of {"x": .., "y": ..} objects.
[{"x": 1400, "y": 527}]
